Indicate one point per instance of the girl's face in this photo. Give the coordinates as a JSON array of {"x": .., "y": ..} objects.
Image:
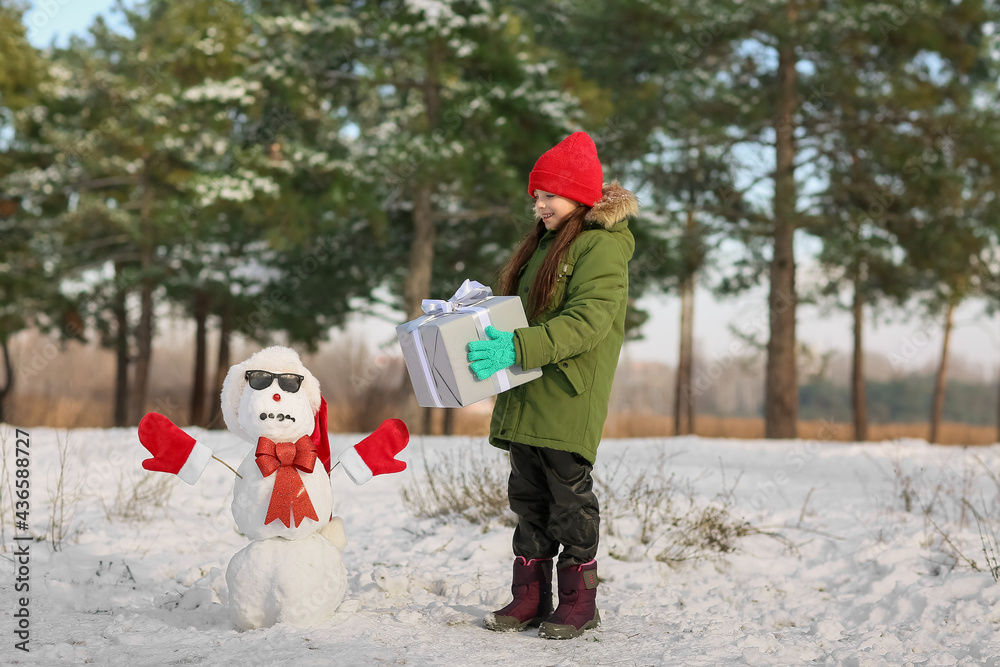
[{"x": 553, "y": 209}]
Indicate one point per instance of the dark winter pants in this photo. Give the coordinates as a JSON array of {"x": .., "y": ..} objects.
[{"x": 552, "y": 494}]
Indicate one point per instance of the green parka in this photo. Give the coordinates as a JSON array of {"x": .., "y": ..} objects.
[{"x": 576, "y": 341}]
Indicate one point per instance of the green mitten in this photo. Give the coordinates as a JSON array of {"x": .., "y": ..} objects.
[{"x": 495, "y": 354}]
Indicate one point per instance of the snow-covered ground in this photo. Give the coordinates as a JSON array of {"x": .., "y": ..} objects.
[{"x": 863, "y": 581}]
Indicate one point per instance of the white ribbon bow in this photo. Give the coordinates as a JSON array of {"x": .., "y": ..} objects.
[{"x": 469, "y": 293}]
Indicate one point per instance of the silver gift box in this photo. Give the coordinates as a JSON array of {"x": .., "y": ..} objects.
[{"x": 435, "y": 348}]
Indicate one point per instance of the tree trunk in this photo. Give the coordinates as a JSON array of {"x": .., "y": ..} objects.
[
  {"x": 144, "y": 349},
  {"x": 448, "y": 427},
  {"x": 121, "y": 348},
  {"x": 418, "y": 286},
  {"x": 998, "y": 409},
  {"x": 418, "y": 279},
  {"x": 683, "y": 397},
  {"x": 781, "y": 399},
  {"x": 859, "y": 402},
  {"x": 223, "y": 363},
  {"x": 144, "y": 330},
  {"x": 202, "y": 305},
  {"x": 8, "y": 367},
  {"x": 937, "y": 402}
]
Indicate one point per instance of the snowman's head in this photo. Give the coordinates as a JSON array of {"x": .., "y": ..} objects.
[{"x": 271, "y": 394}]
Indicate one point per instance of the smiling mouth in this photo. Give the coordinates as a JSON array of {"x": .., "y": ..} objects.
[
  {"x": 546, "y": 216},
  {"x": 279, "y": 417}
]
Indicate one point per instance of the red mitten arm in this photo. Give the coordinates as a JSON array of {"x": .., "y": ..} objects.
[
  {"x": 173, "y": 450},
  {"x": 376, "y": 454}
]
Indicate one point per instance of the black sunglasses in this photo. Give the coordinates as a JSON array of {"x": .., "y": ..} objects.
[{"x": 289, "y": 382}]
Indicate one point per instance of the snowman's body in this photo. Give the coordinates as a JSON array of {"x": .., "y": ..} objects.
[
  {"x": 252, "y": 493},
  {"x": 292, "y": 573},
  {"x": 293, "y": 581}
]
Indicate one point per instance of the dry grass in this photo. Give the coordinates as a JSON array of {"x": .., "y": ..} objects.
[
  {"x": 649, "y": 515},
  {"x": 138, "y": 499},
  {"x": 64, "y": 412},
  {"x": 71, "y": 386},
  {"x": 947, "y": 499},
  {"x": 59, "y": 412},
  {"x": 7, "y": 447},
  {"x": 634, "y": 425},
  {"x": 64, "y": 497},
  {"x": 951, "y": 433},
  {"x": 467, "y": 484}
]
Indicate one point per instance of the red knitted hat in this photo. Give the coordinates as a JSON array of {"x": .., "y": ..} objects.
[{"x": 569, "y": 169}]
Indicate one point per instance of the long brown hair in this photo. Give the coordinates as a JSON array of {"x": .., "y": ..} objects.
[{"x": 545, "y": 280}]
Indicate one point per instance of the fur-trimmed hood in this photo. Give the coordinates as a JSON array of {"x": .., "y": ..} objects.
[{"x": 616, "y": 204}]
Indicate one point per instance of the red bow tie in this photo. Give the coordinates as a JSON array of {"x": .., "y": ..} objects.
[{"x": 289, "y": 495}]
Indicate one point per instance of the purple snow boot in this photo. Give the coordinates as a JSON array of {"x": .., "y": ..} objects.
[
  {"x": 577, "y": 609},
  {"x": 532, "y": 590}
]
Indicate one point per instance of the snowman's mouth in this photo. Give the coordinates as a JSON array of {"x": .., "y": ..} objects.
[{"x": 279, "y": 417}]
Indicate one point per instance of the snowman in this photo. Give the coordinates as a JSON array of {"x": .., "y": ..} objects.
[{"x": 292, "y": 570}]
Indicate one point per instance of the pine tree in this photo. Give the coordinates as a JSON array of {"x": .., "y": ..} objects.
[
  {"x": 452, "y": 103},
  {"x": 780, "y": 77},
  {"x": 952, "y": 234},
  {"x": 26, "y": 295},
  {"x": 124, "y": 139}
]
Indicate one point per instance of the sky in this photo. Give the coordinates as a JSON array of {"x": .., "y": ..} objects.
[
  {"x": 59, "y": 19},
  {"x": 911, "y": 342}
]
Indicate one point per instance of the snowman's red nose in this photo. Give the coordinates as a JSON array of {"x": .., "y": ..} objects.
[{"x": 277, "y": 397}]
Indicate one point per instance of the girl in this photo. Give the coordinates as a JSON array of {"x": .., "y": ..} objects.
[{"x": 571, "y": 273}]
